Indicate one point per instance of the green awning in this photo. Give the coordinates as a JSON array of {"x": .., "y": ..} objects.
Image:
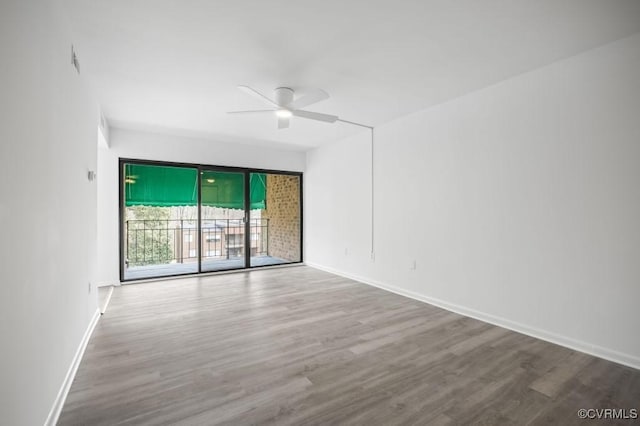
[
  {"x": 226, "y": 190},
  {"x": 166, "y": 186},
  {"x": 160, "y": 186},
  {"x": 258, "y": 191}
]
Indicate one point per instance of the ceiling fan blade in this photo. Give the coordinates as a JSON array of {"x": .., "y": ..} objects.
[
  {"x": 315, "y": 116},
  {"x": 311, "y": 98},
  {"x": 252, "y": 92},
  {"x": 283, "y": 122},
  {"x": 250, "y": 111}
]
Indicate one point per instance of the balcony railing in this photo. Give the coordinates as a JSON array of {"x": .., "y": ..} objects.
[{"x": 163, "y": 241}]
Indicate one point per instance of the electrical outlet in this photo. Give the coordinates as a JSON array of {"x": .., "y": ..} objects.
[
  {"x": 373, "y": 256},
  {"x": 413, "y": 265},
  {"x": 346, "y": 251}
]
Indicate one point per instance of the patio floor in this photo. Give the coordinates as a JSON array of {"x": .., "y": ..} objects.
[{"x": 208, "y": 265}]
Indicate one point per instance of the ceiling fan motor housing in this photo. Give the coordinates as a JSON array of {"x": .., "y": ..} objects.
[{"x": 284, "y": 96}]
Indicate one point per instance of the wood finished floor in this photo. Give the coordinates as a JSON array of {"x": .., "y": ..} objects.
[{"x": 305, "y": 347}]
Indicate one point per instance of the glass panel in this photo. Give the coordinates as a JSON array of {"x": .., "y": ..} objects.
[
  {"x": 275, "y": 225},
  {"x": 223, "y": 228},
  {"x": 160, "y": 221}
]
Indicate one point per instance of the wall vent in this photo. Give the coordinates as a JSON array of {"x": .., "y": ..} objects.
[{"x": 74, "y": 59}]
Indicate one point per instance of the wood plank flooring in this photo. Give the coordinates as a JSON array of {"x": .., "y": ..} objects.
[{"x": 298, "y": 346}]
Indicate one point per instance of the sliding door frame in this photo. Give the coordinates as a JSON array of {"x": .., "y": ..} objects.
[{"x": 247, "y": 212}]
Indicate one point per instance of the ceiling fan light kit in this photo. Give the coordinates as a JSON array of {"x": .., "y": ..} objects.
[{"x": 283, "y": 113}]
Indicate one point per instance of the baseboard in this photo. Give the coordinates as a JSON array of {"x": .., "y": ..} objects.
[
  {"x": 103, "y": 309},
  {"x": 107, "y": 283},
  {"x": 597, "y": 351},
  {"x": 54, "y": 414}
]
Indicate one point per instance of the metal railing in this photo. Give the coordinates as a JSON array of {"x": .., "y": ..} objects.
[{"x": 162, "y": 241}]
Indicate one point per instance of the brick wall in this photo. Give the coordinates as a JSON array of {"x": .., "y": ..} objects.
[{"x": 283, "y": 212}]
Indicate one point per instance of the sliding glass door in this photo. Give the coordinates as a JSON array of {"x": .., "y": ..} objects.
[
  {"x": 276, "y": 223},
  {"x": 222, "y": 220},
  {"x": 186, "y": 219},
  {"x": 160, "y": 221}
]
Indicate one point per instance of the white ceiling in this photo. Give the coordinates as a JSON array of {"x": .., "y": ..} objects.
[{"x": 173, "y": 65}]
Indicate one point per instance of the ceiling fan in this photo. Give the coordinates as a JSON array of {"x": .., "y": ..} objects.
[{"x": 285, "y": 106}]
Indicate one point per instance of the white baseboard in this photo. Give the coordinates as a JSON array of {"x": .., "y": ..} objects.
[
  {"x": 54, "y": 414},
  {"x": 103, "y": 308},
  {"x": 578, "y": 345},
  {"x": 107, "y": 283}
]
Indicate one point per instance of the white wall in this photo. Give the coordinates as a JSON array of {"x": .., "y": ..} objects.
[
  {"x": 160, "y": 147},
  {"x": 48, "y": 126},
  {"x": 519, "y": 203}
]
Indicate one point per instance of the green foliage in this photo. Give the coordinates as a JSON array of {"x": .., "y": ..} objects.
[{"x": 150, "y": 235}]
